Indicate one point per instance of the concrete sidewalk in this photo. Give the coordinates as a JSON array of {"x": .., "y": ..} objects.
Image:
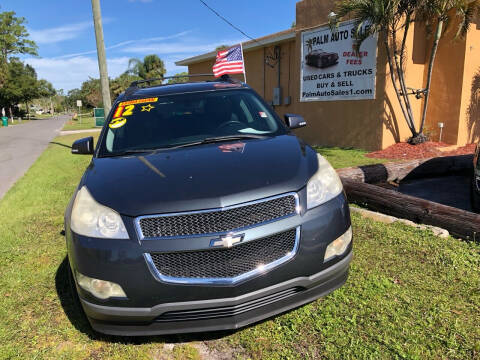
[{"x": 21, "y": 145}]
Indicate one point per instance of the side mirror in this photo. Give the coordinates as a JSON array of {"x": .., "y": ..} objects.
[
  {"x": 83, "y": 146},
  {"x": 295, "y": 121}
]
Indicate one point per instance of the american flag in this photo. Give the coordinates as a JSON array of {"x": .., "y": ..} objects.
[{"x": 229, "y": 61}]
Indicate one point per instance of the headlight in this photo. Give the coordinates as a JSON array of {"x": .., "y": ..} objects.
[
  {"x": 324, "y": 185},
  {"x": 338, "y": 246},
  {"x": 101, "y": 289},
  {"x": 89, "y": 218}
]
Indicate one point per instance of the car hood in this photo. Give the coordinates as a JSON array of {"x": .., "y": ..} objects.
[{"x": 201, "y": 177}]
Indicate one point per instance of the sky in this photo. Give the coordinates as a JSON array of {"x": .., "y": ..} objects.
[{"x": 172, "y": 29}]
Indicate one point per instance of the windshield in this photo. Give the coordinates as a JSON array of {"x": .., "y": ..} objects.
[{"x": 169, "y": 121}]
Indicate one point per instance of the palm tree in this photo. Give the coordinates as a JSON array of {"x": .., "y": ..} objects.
[
  {"x": 151, "y": 67},
  {"x": 440, "y": 13},
  {"x": 386, "y": 18}
]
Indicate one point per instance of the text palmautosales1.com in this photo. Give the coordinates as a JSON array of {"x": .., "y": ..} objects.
[{"x": 325, "y": 93}]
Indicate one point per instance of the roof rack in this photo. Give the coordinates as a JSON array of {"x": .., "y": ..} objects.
[
  {"x": 134, "y": 85},
  {"x": 149, "y": 81}
]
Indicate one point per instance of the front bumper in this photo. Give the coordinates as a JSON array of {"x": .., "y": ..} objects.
[
  {"x": 210, "y": 315},
  {"x": 158, "y": 307}
]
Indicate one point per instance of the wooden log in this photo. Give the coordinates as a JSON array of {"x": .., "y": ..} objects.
[
  {"x": 397, "y": 171},
  {"x": 459, "y": 223},
  {"x": 372, "y": 174}
]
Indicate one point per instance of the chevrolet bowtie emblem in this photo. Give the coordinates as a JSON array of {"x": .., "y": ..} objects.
[{"x": 226, "y": 241}]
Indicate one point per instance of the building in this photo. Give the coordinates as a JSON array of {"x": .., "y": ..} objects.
[{"x": 367, "y": 115}]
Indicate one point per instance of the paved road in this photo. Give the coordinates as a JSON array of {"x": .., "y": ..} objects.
[{"x": 21, "y": 145}]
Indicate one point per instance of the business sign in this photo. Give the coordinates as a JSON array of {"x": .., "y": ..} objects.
[
  {"x": 332, "y": 70},
  {"x": 79, "y": 103},
  {"x": 99, "y": 115}
]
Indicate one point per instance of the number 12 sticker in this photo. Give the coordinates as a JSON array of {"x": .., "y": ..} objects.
[{"x": 124, "y": 111}]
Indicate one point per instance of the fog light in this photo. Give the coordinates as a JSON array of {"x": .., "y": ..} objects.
[
  {"x": 101, "y": 289},
  {"x": 338, "y": 246}
]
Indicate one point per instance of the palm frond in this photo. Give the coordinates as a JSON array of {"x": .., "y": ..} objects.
[
  {"x": 379, "y": 14},
  {"x": 467, "y": 12}
]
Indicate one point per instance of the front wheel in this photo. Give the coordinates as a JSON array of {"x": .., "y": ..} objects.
[{"x": 475, "y": 198}]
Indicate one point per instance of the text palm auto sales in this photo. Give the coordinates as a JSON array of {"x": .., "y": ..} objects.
[{"x": 337, "y": 36}]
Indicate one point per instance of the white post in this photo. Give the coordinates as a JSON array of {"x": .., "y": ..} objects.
[
  {"x": 243, "y": 60},
  {"x": 440, "y": 125}
]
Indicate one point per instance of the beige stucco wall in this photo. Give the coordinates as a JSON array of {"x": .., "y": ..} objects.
[
  {"x": 446, "y": 88},
  {"x": 376, "y": 124},
  {"x": 469, "y": 124}
]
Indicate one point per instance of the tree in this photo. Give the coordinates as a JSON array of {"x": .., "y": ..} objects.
[
  {"x": 221, "y": 47},
  {"x": 386, "y": 18},
  {"x": 178, "y": 80},
  {"x": 46, "y": 90},
  {"x": 439, "y": 13},
  {"x": 70, "y": 101},
  {"x": 151, "y": 67},
  {"x": 21, "y": 85},
  {"x": 13, "y": 40},
  {"x": 121, "y": 83},
  {"x": 90, "y": 93},
  {"x": 390, "y": 17}
]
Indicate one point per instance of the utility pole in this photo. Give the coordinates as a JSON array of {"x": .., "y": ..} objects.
[{"x": 102, "y": 60}]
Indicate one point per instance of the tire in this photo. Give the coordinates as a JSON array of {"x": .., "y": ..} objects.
[{"x": 475, "y": 198}]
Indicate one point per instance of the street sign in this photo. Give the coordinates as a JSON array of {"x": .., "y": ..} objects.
[
  {"x": 99, "y": 115},
  {"x": 79, "y": 103}
]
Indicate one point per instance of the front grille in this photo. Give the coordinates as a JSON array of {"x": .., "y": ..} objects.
[
  {"x": 225, "y": 311},
  {"x": 226, "y": 263},
  {"x": 217, "y": 221}
]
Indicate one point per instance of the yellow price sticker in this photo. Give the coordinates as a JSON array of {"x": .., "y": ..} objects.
[
  {"x": 117, "y": 123},
  {"x": 138, "y": 101}
]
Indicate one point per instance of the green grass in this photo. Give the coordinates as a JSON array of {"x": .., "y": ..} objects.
[
  {"x": 80, "y": 124},
  {"x": 341, "y": 158},
  {"x": 409, "y": 295},
  {"x": 15, "y": 122},
  {"x": 41, "y": 116}
]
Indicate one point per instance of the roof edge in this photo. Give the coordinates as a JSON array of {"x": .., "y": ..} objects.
[{"x": 248, "y": 46}]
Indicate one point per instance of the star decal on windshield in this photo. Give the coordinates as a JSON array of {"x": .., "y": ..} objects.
[{"x": 147, "y": 107}]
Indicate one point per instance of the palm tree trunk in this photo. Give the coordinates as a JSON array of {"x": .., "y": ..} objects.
[
  {"x": 28, "y": 110},
  {"x": 438, "y": 35},
  {"x": 394, "y": 82},
  {"x": 11, "y": 114},
  {"x": 403, "y": 87},
  {"x": 402, "y": 73}
]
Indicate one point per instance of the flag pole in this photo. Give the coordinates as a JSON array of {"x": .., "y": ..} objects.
[{"x": 243, "y": 60}]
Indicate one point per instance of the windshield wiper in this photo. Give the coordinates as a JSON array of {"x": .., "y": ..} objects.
[
  {"x": 232, "y": 137},
  {"x": 129, "y": 152},
  {"x": 211, "y": 140}
]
